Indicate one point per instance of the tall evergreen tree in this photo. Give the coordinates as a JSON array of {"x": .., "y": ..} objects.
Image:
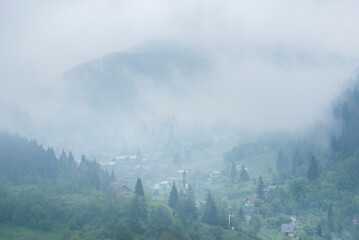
[
  {"x": 330, "y": 217},
  {"x": 139, "y": 188},
  {"x": 233, "y": 174},
  {"x": 210, "y": 214},
  {"x": 282, "y": 161},
  {"x": 313, "y": 170},
  {"x": 173, "y": 199},
  {"x": 260, "y": 188},
  {"x": 113, "y": 176},
  {"x": 243, "y": 175},
  {"x": 187, "y": 210},
  {"x": 63, "y": 157},
  {"x": 70, "y": 157},
  {"x": 296, "y": 161}
]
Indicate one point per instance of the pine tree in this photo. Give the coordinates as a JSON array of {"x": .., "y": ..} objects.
[
  {"x": 243, "y": 176},
  {"x": 187, "y": 210},
  {"x": 233, "y": 171},
  {"x": 296, "y": 161},
  {"x": 70, "y": 157},
  {"x": 282, "y": 161},
  {"x": 173, "y": 199},
  {"x": 113, "y": 176},
  {"x": 260, "y": 188},
  {"x": 210, "y": 214},
  {"x": 63, "y": 157},
  {"x": 330, "y": 217},
  {"x": 139, "y": 188},
  {"x": 313, "y": 170}
]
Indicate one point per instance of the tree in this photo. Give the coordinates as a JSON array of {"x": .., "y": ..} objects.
[
  {"x": 243, "y": 176},
  {"x": 330, "y": 217},
  {"x": 173, "y": 199},
  {"x": 296, "y": 161},
  {"x": 233, "y": 171},
  {"x": 186, "y": 209},
  {"x": 113, "y": 176},
  {"x": 282, "y": 161},
  {"x": 260, "y": 188},
  {"x": 139, "y": 189},
  {"x": 210, "y": 215},
  {"x": 123, "y": 231},
  {"x": 313, "y": 170}
]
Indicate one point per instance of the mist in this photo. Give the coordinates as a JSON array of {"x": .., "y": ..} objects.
[{"x": 255, "y": 66}]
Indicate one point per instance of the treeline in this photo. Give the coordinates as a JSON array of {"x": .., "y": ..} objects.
[{"x": 26, "y": 162}]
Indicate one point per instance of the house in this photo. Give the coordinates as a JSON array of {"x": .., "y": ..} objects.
[
  {"x": 121, "y": 187},
  {"x": 143, "y": 167},
  {"x": 249, "y": 202},
  {"x": 355, "y": 221},
  {"x": 250, "y": 211},
  {"x": 288, "y": 229},
  {"x": 215, "y": 173},
  {"x": 272, "y": 188},
  {"x": 239, "y": 168}
]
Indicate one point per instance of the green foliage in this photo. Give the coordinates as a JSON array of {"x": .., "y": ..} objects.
[
  {"x": 313, "y": 170},
  {"x": 123, "y": 231},
  {"x": 160, "y": 218},
  {"x": 282, "y": 161},
  {"x": 210, "y": 215},
  {"x": 139, "y": 188},
  {"x": 260, "y": 188},
  {"x": 255, "y": 222},
  {"x": 173, "y": 198}
]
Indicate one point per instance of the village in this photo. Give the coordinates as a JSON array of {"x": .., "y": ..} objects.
[{"x": 158, "y": 184}]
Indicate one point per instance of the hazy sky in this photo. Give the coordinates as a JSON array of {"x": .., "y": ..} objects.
[{"x": 245, "y": 41}]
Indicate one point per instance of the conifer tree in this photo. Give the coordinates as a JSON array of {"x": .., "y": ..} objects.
[
  {"x": 313, "y": 170},
  {"x": 113, "y": 176},
  {"x": 233, "y": 171},
  {"x": 139, "y": 188},
  {"x": 282, "y": 161},
  {"x": 70, "y": 157},
  {"x": 296, "y": 161},
  {"x": 260, "y": 188},
  {"x": 173, "y": 199},
  {"x": 330, "y": 217},
  {"x": 63, "y": 157},
  {"x": 210, "y": 214}
]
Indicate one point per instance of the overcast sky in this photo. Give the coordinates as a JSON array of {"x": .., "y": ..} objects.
[{"x": 42, "y": 39}]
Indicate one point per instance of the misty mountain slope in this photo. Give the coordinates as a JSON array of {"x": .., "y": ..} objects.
[{"x": 116, "y": 79}]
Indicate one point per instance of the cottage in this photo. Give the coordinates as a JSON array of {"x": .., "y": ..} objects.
[
  {"x": 250, "y": 211},
  {"x": 249, "y": 202},
  {"x": 121, "y": 187},
  {"x": 288, "y": 229},
  {"x": 143, "y": 167},
  {"x": 215, "y": 173},
  {"x": 355, "y": 221}
]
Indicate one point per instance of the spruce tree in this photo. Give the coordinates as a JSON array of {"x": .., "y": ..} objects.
[
  {"x": 243, "y": 176},
  {"x": 113, "y": 176},
  {"x": 260, "y": 188},
  {"x": 282, "y": 161},
  {"x": 233, "y": 171},
  {"x": 330, "y": 217},
  {"x": 173, "y": 199},
  {"x": 296, "y": 161},
  {"x": 313, "y": 170},
  {"x": 139, "y": 188},
  {"x": 210, "y": 214}
]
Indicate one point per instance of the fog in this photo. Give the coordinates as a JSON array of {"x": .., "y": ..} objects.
[{"x": 243, "y": 65}]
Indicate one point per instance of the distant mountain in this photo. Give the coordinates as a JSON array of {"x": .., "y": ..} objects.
[{"x": 115, "y": 79}]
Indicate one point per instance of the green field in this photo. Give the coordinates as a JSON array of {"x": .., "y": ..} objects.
[{"x": 10, "y": 232}]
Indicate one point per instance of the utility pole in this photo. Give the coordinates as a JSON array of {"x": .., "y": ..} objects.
[{"x": 229, "y": 220}]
